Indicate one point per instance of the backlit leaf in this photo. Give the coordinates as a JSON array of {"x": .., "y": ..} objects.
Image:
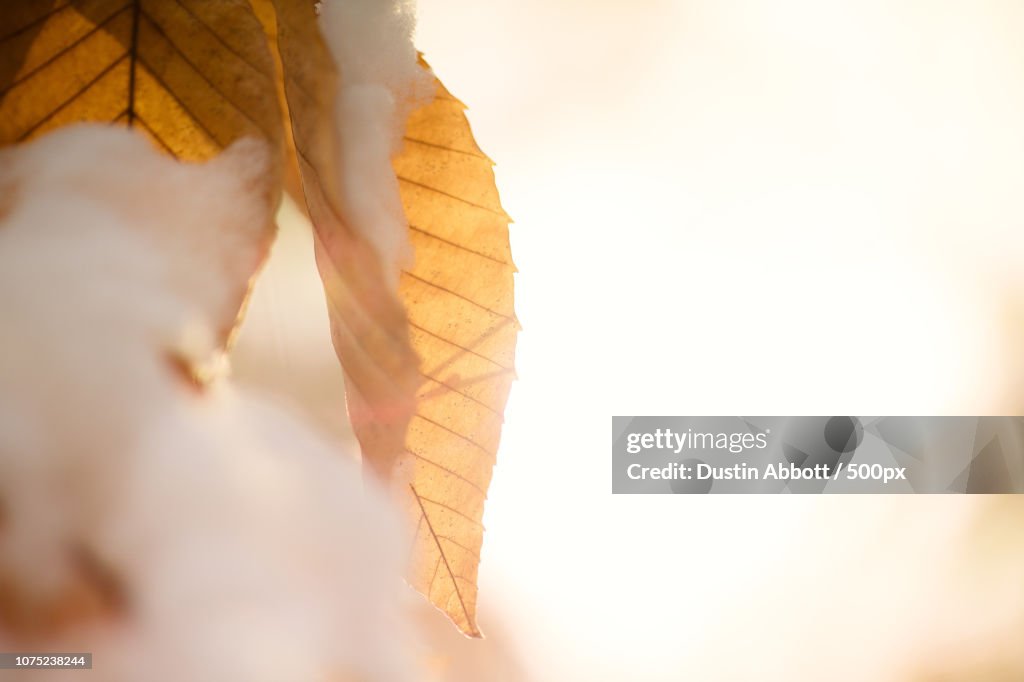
[
  {"x": 368, "y": 323},
  {"x": 459, "y": 294},
  {"x": 193, "y": 76}
]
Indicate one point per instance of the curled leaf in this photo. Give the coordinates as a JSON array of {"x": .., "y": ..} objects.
[{"x": 368, "y": 323}]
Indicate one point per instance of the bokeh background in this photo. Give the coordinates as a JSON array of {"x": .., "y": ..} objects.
[{"x": 728, "y": 207}]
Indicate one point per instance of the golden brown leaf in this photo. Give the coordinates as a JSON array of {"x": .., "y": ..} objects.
[
  {"x": 193, "y": 76},
  {"x": 368, "y": 323},
  {"x": 186, "y": 72},
  {"x": 459, "y": 294}
]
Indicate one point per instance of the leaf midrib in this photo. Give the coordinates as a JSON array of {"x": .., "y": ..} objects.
[{"x": 133, "y": 52}]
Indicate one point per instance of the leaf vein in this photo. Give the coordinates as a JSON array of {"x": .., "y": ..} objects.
[
  {"x": 173, "y": 95},
  {"x": 156, "y": 136},
  {"x": 220, "y": 40},
  {"x": 85, "y": 88},
  {"x": 133, "y": 50},
  {"x": 440, "y": 550},
  {"x": 457, "y": 245},
  {"x": 35, "y": 22},
  {"x": 469, "y": 440},
  {"x": 460, "y": 347},
  {"x": 476, "y": 155},
  {"x": 458, "y": 295},
  {"x": 452, "y": 196},
  {"x": 484, "y": 405},
  {"x": 455, "y": 542},
  {"x": 452, "y": 510},
  {"x": 88, "y": 34},
  {"x": 449, "y": 471},
  {"x": 202, "y": 75},
  {"x": 437, "y": 565}
]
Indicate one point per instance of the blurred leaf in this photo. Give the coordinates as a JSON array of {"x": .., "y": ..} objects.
[
  {"x": 459, "y": 294},
  {"x": 193, "y": 76}
]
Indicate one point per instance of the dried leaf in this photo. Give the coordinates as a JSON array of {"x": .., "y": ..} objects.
[
  {"x": 368, "y": 322},
  {"x": 193, "y": 76},
  {"x": 459, "y": 294}
]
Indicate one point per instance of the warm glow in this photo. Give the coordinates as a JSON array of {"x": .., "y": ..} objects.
[
  {"x": 724, "y": 207},
  {"x": 730, "y": 207}
]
